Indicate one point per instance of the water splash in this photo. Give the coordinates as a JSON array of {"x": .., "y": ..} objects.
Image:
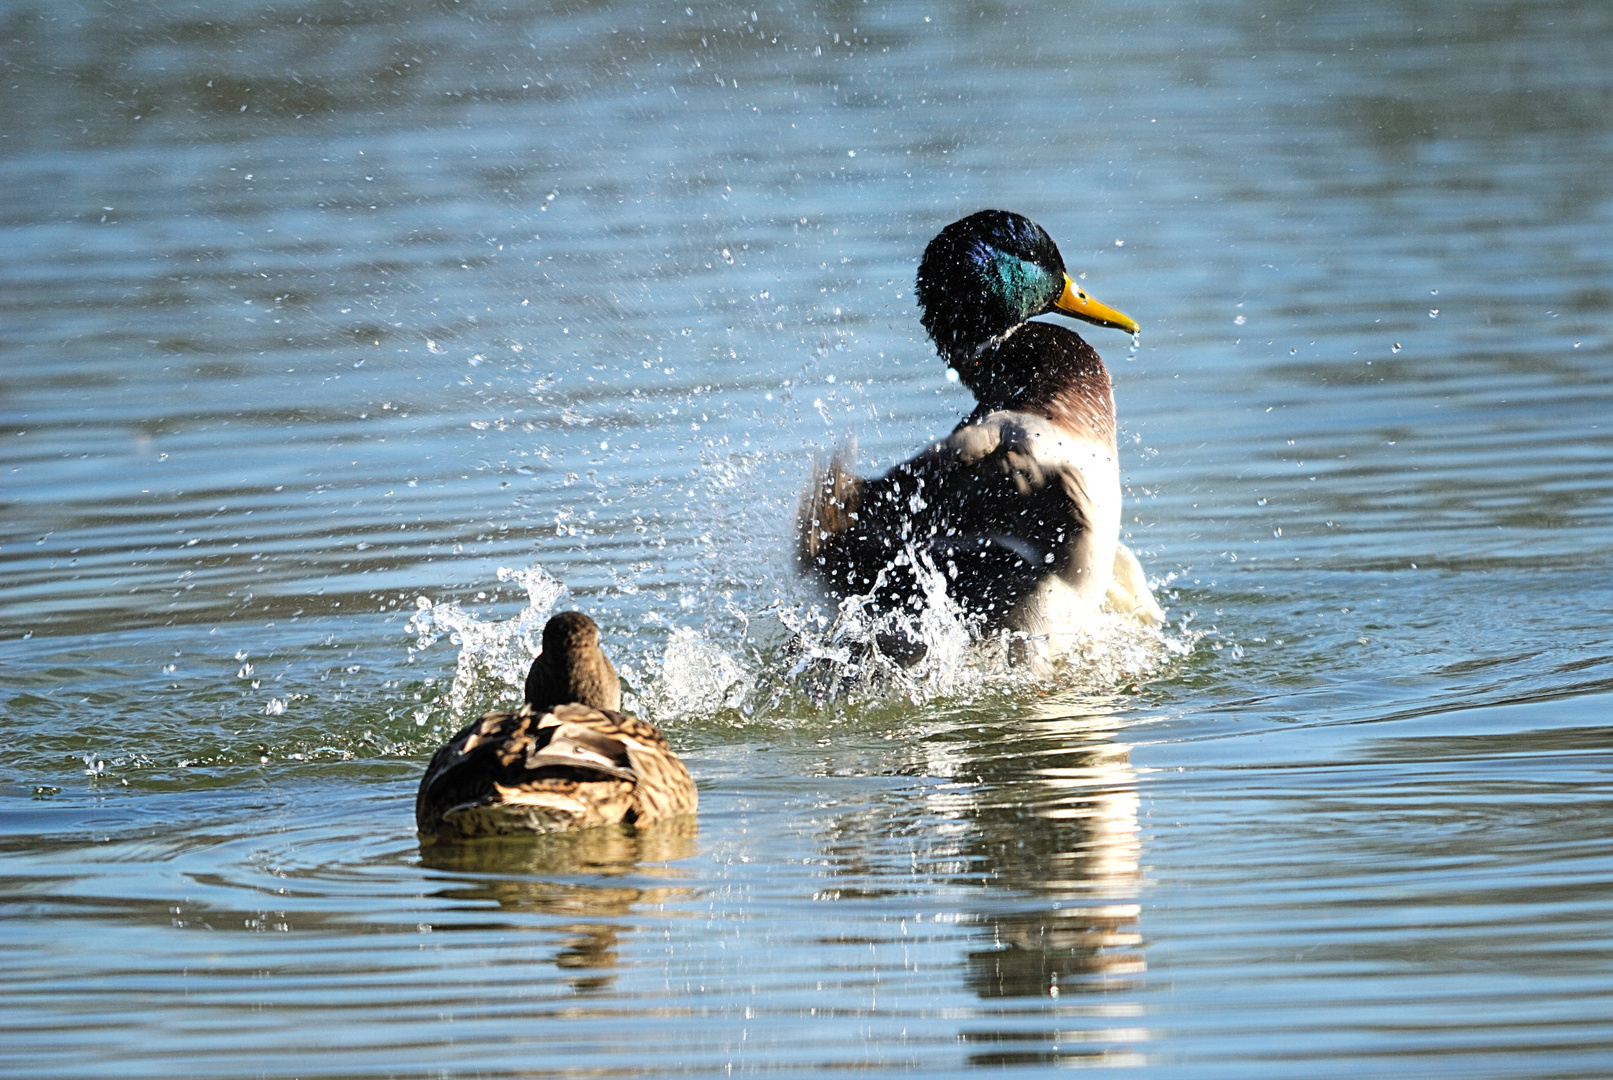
[
  {"x": 493, "y": 656},
  {"x": 863, "y": 653},
  {"x": 794, "y": 659},
  {"x": 696, "y": 677},
  {"x": 939, "y": 652}
]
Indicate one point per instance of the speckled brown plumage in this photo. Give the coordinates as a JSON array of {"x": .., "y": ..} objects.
[{"x": 570, "y": 767}]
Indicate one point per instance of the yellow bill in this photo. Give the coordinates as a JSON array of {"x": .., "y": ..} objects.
[{"x": 1078, "y": 305}]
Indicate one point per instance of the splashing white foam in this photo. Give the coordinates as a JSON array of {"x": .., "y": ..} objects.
[
  {"x": 857, "y": 656},
  {"x": 859, "y": 653},
  {"x": 795, "y": 658},
  {"x": 696, "y": 677},
  {"x": 493, "y": 656}
]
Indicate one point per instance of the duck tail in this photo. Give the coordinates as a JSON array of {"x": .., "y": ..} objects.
[{"x": 829, "y": 506}]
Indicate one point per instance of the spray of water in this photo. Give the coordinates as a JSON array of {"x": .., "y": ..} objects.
[
  {"x": 695, "y": 677},
  {"x": 793, "y": 659},
  {"x": 493, "y": 655}
]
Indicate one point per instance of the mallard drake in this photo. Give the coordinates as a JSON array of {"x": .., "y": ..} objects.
[
  {"x": 566, "y": 759},
  {"x": 1019, "y": 507}
]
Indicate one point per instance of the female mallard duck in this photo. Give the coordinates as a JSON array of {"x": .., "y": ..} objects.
[
  {"x": 566, "y": 759},
  {"x": 1020, "y": 506}
]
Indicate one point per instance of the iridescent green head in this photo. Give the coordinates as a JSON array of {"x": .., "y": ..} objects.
[{"x": 985, "y": 274}]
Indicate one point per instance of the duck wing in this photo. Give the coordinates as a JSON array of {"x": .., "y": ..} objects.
[
  {"x": 665, "y": 789},
  {"x": 622, "y": 745},
  {"x": 982, "y": 506},
  {"x": 590, "y": 741}
]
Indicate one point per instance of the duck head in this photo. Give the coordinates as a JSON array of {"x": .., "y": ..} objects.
[
  {"x": 572, "y": 669},
  {"x": 985, "y": 274}
]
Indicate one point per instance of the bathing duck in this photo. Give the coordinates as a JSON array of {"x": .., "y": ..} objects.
[
  {"x": 566, "y": 759},
  {"x": 1019, "y": 507}
]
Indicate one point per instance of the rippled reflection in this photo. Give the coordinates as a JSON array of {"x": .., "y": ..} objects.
[
  {"x": 1030, "y": 827},
  {"x": 538, "y": 875},
  {"x": 1056, "y": 816}
]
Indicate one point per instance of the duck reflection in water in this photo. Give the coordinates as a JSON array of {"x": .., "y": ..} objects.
[
  {"x": 525, "y": 878},
  {"x": 1037, "y": 827},
  {"x": 1067, "y": 835},
  {"x": 1054, "y": 814},
  {"x": 565, "y": 785}
]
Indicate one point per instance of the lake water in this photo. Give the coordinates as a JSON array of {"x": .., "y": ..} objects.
[{"x": 339, "y": 342}]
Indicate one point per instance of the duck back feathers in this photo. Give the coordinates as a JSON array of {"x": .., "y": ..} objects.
[{"x": 569, "y": 767}]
